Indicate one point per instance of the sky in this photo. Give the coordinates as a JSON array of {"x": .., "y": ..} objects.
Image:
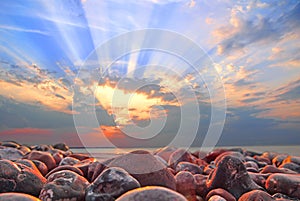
[{"x": 150, "y": 73}]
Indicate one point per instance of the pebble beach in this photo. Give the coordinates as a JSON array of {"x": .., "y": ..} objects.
[{"x": 55, "y": 172}]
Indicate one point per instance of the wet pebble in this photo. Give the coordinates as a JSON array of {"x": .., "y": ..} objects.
[
  {"x": 113, "y": 181},
  {"x": 185, "y": 184},
  {"x": 44, "y": 157},
  {"x": 151, "y": 193}
]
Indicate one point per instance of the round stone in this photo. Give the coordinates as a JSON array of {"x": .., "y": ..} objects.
[
  {"x": 151, "y": 193},
  {"x": 256, "y": 195},
  {"x": 143, "y": 166},
  {"x": 113, "y": 181},
  {"x": 17, "y": 197}
]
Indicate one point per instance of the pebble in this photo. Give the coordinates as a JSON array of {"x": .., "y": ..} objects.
[
  {"x": 273, "y": 169},
  {"x": 291, "y": 166},
  {"x": 61, "y": 146},
  {"x": 113, "y": 181},
  {"x": 190, "y": 167},
  {"x": 200, "y": 182},
  {"x": 44, "y": 157},
  {"x": 288, "y": 184},
  {"x": 152, "y": 193},
  {"x": 186, "y": 185},
  {"x": 231, "y": 175},
  {"x": 64, "y": 185},
  {"x": 68, "y": 161},
  {"x": 65, "y": 167},
  {"x": 19, "y": 178},
  {"x": 17, "y": 197},
  {"x": 216, "y": 198},
  {"x": 256, "y": 195},
  {"x": 143, "y": 166},
  {"x": 10, "y": 153},
  {"x": 221, "y": 192}
]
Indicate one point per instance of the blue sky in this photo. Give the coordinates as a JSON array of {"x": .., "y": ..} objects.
[{"x": 252, "y": 46}]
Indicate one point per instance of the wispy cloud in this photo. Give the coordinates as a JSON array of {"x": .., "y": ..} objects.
[{"x": 20, "y": 29}]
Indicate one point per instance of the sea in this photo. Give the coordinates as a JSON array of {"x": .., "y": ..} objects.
[{"x": 102, "y": 154}]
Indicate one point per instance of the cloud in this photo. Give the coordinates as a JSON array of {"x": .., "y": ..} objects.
[
  {"x": 19, "y": 29},
  {"x": 244, "y": 31}
]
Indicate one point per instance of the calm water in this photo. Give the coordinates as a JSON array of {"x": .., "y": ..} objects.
[{"x": 106, "y": 153}]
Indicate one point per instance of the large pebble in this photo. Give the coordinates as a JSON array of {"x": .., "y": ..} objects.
[
  {"x": 231, "y": 175},
  {"x": 186, "y": 185},
  {"x": 64, "y": 185},
  {"x": 221, "y": 192},
  {"x": 284, "y": 183},
  {"x": 291, "y": 166},
  {"x": 190, "y": 167},
  {"x": 61, "y": 146},
  {"x": 273, "y": 169},
  {"x": 11, "y": 153},
  {"x": 69, "y": 161},
  {"x": 152, "y": 193},
  {"x": 200, "y": 181},
  {"x": 256, "y": 195},
  {"x": 143, "y": 166},
  {"x": 113, "y": 181},
  {"x": 13, "y": 196},
  {"x": 44, "y": 157},
  {"x": 19, "y": 178}
]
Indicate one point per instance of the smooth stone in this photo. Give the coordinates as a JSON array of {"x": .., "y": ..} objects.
[
  {"x": 94, "y": 170},
  {"x": 151, "y": 193},
  {"x": 17, "y": 197},
  {"x": 211, "y": 156},
  {"x": 113, "y": 181},
  {"x": 165, "y": 152},
  {"x": 41, "y": 166},
  {"x": 291, "y": 166},
  {"x": 230, "y": 153},
  {"x": 221, "y": 192},
  {"x": 61, "y": 146},
  {"x": 231, "y": 175},
  {"x": 143, "y": 166},
  {"x": 57, "y": 157},
  {"x": 28, "y": 163},
  {"x": 251, "y": 164},
  {"x": 288, "y": 184},
  {"x": 200, "y": 182},
  {"x": 44, "y": 157},
  {"x": 252, "y": 153},
  {"x": 186, "y": 185},
  {"x": 178, "y": 156},
  {"x": 65, "y": 167},
  {"x": 19, "y": 178},
  {"x": 283, "y": 197},
  {"x": 263, "y": 159},
  {"x": 10, "y": 153},
  {"x": 10, "y": 144},
  {"x": 258, "y": 178},
  {"x": 68, "y": 161},
  {"x": 24, "y": 149},
  {"x": 216, "y": 198},
  {"x": 293, "y": 159},
  {"x": 277, "y": 160},
  {"x": 256, "y": 195},
  {"x": 84, "y": 165},
  {"x": 273, "y": 169},
  {"x": 42, "y": 147},
  {"x": 64, "y": 185},
  {"x": 190, "y": 167}
]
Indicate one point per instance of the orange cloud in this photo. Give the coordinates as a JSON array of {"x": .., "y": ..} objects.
[
  {"x": 47, "y": 93},
  {"x": 127, "y": 105},
  {"x": 24, "y": 131}
]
